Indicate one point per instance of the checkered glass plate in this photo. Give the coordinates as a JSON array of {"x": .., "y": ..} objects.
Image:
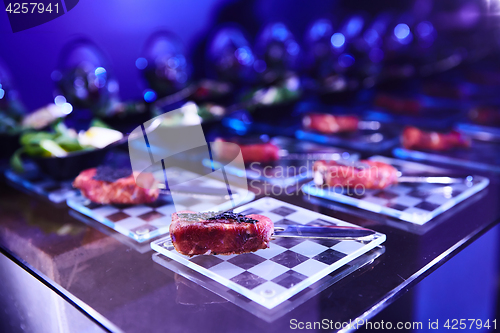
[
  {"x": 146, "y": 221},
  {"x": 42, "y": 185},
  {"x": 271, "y": 276},
  {"x": 483, "y": 155},
  {"x": 415, "y": 203},
  {"x": 287, "y": 172}
]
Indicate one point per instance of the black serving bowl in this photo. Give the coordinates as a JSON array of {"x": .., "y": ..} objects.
[
  {"x": 9, "y": 143},
  {"x": 68, "y": 167}
]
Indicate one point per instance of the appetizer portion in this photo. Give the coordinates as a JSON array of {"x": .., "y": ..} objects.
[
  {"x": 366, "y": 174},
  {"x": 219, "y": 233},
  {"x": 330, "y": 124},
  {"x": 414, "y": 138},
  {"x": 252, "y": 152},
  {"x": 106, "y": 185},
  {"x": 62, "y": 141}
]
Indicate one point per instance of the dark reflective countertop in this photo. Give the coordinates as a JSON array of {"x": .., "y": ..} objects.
[{"x": 122, "y": 288}]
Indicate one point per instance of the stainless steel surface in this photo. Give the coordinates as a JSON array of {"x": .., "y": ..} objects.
[{"x": 337, "y": 233}]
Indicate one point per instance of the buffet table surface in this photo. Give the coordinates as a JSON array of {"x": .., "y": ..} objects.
[{"x": 121, "y": 287}]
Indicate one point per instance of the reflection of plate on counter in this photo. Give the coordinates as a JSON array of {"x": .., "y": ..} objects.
[
  {"x": 201, "y": 282},
  {"x": 412, "y": 202},
  {"x": 370, "y": 136},
  {"x": 291, "y": 161},
  {"x": 483, "y": 153},
  {"x": 33, "y": 181},
  {"x": 272, "y": 276},
  {"x": 145, "y": 221}
]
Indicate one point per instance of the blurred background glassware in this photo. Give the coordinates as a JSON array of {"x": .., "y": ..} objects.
[
  {"x": 83, "y": 77},
  {"x": 277, "y": 52},
  {"x": 229, "y": 56},
  {"x": 318, "y": 59},
  {"x": 164, "y": 65}
]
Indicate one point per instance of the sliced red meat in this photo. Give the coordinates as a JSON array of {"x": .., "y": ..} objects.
[
  {"x": 330, "y": 124},
  {"x": 202, "y": 233},
  {"x": 414, "y": 138},
  {"x": 254, "y": 152},
  {"x": 121, "y": 191},
  {"x": 364, "y": 175}
]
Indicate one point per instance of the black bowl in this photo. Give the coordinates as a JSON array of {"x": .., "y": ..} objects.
[
  {"x": 68, "y": 167},
  {"x": 9, "y": 144}
]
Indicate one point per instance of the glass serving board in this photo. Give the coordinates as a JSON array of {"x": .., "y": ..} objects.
[
  {"x": 271, "y": 276},
  {"x": 365, "y": 140},
  {"x": 416, "y": 203},
  {"x": 484, "y": 153},
  {"x": 34, "y": 182},
  {"x": 198, "y": 282},
  {"x": 287, "y": 171},
  {"x": 146, "y": 221}
]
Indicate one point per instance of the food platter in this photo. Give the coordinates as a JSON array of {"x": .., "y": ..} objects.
[
  {"x": 287, "y": 171},
  {"x": 271, "y": 276},
  {"x": 416, "y": 203},
  {"x": 484, "y": 153},
  {"x": 146, "y": 221},
  {"x": 365, "y": 140}
]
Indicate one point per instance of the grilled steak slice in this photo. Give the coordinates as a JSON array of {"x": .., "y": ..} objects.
[
  {"x": 253, "y": 152},
  {"x": 121, "y": 191},
  {"x": 414, "y": 138},
  {"x": 225, "y": 233},
  {"x": 376, "y": 175},
  {"x": 330, "y": 124}
]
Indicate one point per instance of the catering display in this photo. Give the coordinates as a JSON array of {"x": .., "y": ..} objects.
[
  {"x": 272, "y": 276},
  {"x": 279, "y": 160},
  {"x": 470, "y": 146},
  {"x": 348, "y": 130},
  {"x": 427, "y": 192}
]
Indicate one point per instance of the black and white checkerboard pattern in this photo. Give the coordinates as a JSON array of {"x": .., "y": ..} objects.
[
  {"x": 146, "y": 221},
  {"x": 271, "y": 276},
  {"x": 412, "y": 202},
  {"x": 37, "y": 183}
]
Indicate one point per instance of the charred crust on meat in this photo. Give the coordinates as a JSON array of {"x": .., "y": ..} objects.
[
  {"x": 229, "y": 216},
  {"x": 109, "y": 174}
]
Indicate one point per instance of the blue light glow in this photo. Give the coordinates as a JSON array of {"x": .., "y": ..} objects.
[
  {"x": 293, "y": 48},
  {"x": 100, "y": 71},
  {"x": 67, "y": 108},
  {"x": 401, "y": 31},
  {"x": 280, "y": 32},
  {"x": 59, "y": 100},
  {"x": 320, "y": 29},
  {"x": 244, "y": 55},
  {"x": 141, "y": 63},
  {"x": 371, "y": 36},
  {"x": 2, "y": 93},
  {"x": 337, "y": 40},
  {"x": 354, "y": 26},
  {"x": 425, "y": 28},
  {"x": 346, "y": 60},
  {"x": 149, "y": 96}
]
